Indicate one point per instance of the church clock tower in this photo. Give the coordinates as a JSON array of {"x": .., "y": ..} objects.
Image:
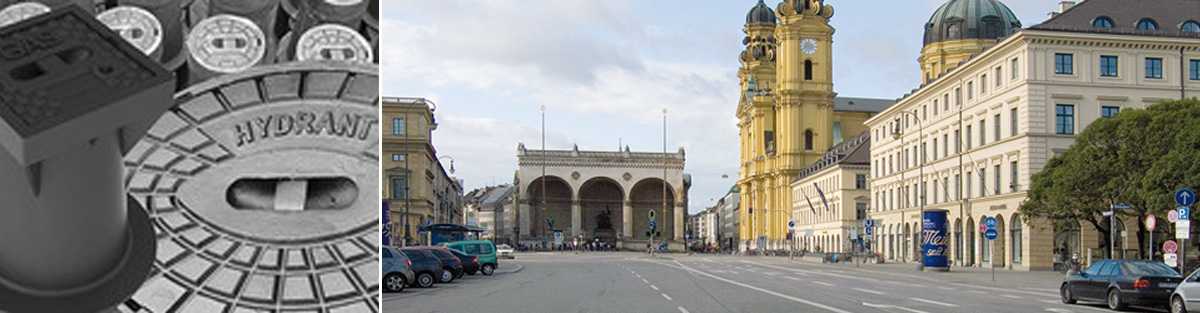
[{"x": 785, "y": 112}]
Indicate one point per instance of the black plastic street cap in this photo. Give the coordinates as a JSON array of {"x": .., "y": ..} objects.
[{"x": 65, "y": 77}]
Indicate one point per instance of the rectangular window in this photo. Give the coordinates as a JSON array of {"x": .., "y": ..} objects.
[
  {"x": 860, "y": 181},
  {"x": 924, "y": 110},
  {"x": 970, "y": 178},
  {"x": 924, "y": 191},
  {"x": 946, "y": 102},
  {"x": 1064, "y": 63},
  {"x": 1154, "y": 68},
  {"x": 982, "y": 132},
  {"x": 946, "y": 144},
  {"x": 945, "y": 195},
  {"x": 1108, "y": 65},
  {"x": 996, "y": 180},
  {"x": 957, "y": 142},
  {"x": 935, "y": 107},
  {"x": 398, "y": 186},
  {"x": 1194, "y": 69},
  {"x": 998, "y": 73},
  {"x": 970, "y": 90},
  {"x": 935, "y": 153},
  {"x": 957, "y": 96},
  {"x": 1064, "y": 119},
  {"x": 1014, "y": 69},
  {"x": 957, "y": 187},
  {"x": 1012, "y": 178},
  {"x": 996, "y": 127},
  {"x": 983, "y": 182},
  {"x": 1013, "y": 122},
  {"x": 397, "y": 126},
  {"x": 969, "y": 146},
  {"x": 398, "y": 158},
  {"x": 860, "y": 210},
  {"x": 983, "y": 84},
  {"x": 1107, "y": 112},
  {"x": 923, "y": 154}
]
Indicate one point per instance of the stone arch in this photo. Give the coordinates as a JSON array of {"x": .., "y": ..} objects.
[
  {"x": 601, "y": 196},
  {"x": 1016, "y": 244},
  {"x": 969, "y": 242},
  {"x": 958, "y": 244},
  {"x": 918, "y": 249},
  {"x": 646, "y": 195},
  {"x": 906, "y": 246},
  {"x": 557, "y": 206},
  {"x": 998, "y": 245}
]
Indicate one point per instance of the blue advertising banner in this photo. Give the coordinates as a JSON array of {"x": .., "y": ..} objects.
[
  {"x": 937, "y": 240},
  {"x": 387, "y": 225}
]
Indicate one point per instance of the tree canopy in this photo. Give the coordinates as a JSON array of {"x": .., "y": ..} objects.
[{"x": 1139, "y": 158}]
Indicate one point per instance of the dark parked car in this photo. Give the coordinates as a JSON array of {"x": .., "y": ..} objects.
[
  {"x": 397, "y": 271},
  {"x": 1122, "y": 283},
  {"x": 450, "y": 263},
  {"x": 425, "y": 266},
  {"x": 470, "y": 262}
]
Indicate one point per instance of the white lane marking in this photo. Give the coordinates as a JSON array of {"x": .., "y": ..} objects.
[
  {"x": 682, "y": 310},
  {"x": 885, "y": 306},
  {"x": 822, "y": 283},
  {"x": 977, "y": 291},
  {"x": 645, "y": 281},
  {"x": 1058, "y": 310},
  {"x": 1012, "y": 297},
  {"x": 654, "y": 287},
  {"x": 770, "y": 273},
  {"x": 795, "y": 299},
  {"x": 935, "y": 302},
  {"x": 792, "y": 278},
  {"x": 918, "y": 286},
  {"x": 638, "y": 275},
  {"x": 732, "y": 272},
  {"x": 668, "y": 297},
  {"x": 945, "y": 288},
  {"x": 868, "y": 291},
  {"x": 1050, "y": 301}
]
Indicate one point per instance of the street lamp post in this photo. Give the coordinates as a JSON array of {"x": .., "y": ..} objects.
[{"x": 921, "y": 186}]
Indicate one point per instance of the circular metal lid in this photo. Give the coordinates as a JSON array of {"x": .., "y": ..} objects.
[
  {"x": 333, "y": 42},
  {"x": 261, "y": 187},
  {"x": 226, "y": 43},
  {"x": 21, "y": 11},
  {"x": 138, "y": 26}
]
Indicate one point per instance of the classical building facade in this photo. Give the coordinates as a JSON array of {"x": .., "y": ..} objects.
[
  {"x": 573, "y": 191},
  {"x": 415, "y": 185},
  {"x": 788, "y": 114},
  {"x": 831, "y": 198},
  {"x": 969, "y": 139}
]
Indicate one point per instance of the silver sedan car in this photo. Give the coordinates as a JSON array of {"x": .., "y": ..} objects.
[{"x": 397, "y": 271}]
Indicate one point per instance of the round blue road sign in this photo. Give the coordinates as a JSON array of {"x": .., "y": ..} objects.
[
  {"x": 1185, "y": 197},
  {"x": 791, "y": 224},
  {"x": 991, "y": 234},
  {"x": 652, "y": 224},
  {"x": 990, "y": 222}
]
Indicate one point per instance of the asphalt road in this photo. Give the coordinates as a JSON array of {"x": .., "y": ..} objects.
[{"x": 631, "y": 282}]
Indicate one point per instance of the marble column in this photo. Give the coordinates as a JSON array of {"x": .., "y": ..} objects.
[
  {"x": 576, "y": 218},
  {"x": 626, "y": 218}
]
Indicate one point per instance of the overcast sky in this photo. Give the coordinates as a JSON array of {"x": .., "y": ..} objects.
[{"x": 605, "y": 69}]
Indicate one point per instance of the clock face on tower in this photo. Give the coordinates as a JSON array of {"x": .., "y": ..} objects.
[{"x": 808, "y": 45}]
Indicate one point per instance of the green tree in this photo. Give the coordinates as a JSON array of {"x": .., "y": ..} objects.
[{"x": 1139, "y": 158}]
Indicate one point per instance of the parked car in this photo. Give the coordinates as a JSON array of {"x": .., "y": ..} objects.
[
  {"x": 504, "y": 251},
  {"x": 1121, "y": 283},
  {"x": 397, "y": 270},
  {"x": 485, "y": 250},
  {"x": 1186, "y": 297},
  {"x": 470, "y": 262},
  {"x": 453, "y": 267},
  {"x": 425, "y": 266}
]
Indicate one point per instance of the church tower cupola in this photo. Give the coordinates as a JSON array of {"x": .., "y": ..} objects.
[{"x": 961, "y": 28}]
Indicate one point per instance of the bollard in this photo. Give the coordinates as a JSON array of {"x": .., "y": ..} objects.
[{"x": 74, "y": 97}]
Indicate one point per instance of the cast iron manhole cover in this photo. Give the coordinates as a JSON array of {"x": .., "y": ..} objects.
[{"x": 262, "y": 189}]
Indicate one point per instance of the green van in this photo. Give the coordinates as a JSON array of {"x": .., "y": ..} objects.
[{"x": 485, "y": 250}]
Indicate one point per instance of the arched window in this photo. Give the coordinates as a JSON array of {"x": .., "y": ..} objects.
[
  {"x": 1190, "y": 26},
  {"x": 808, "y": 140},
  {"x": 807, "y": 69},
  {"x": 1147, "y": 24},
  {"x": 1102, "y": 22},
  {"x": 1016, "y": 239}
]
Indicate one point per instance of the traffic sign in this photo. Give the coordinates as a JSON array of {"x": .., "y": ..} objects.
[
  {"x": 869, "y": 223},
  {"x": 427, "y": 223},
  {"x": 1185, "y": 197},
  {"x": 652, "y": 224},
  {"x": 867, "y": 231},
  {"x": 1171, "y": 259},
  {"x": 662, "y": 248},
  {"x": 1150, "y": 222},
  {"x": 1173, "y": 216},
  {"x": 791, "y": 224},
  {"x": 982, "y": 228},
  {"x": 558, "y": 239},
  {"x": 990, "y": 221},
  {"x": 1183, "y": 229},
  {"x": 991, "y": 234},
  {"x": 1121, "y": 207},
  {"x": 1170, "y": 246},
  {"x": 1184, "y": 212}
]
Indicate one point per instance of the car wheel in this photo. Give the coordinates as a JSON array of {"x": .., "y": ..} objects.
[
  {"x": 1065, "y": 293},
  {"x": 425, "y": 280},
  {"x": 447, "y": 275},
  {"x": 1177, "y": 305},
  {"x": 1114, "y": 300},
  {"x": 393, "y": 283},
  {"x": 488, "y": 269}
]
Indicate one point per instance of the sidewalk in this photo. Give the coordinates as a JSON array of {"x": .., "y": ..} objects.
[{"x": 981, "y": 276}]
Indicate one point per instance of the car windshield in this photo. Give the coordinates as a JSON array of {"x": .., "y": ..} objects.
[
  {"x": 1149, "y": 268},
  {"x": 503, "y": 247}
]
